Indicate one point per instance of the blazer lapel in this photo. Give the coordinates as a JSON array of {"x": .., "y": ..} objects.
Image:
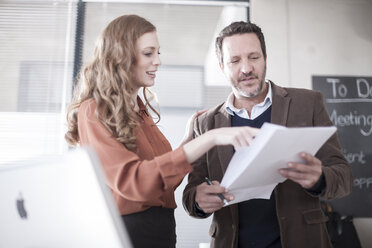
[
  {"x": 280, "y": 105},
  {"x": 225, "y": 153}
]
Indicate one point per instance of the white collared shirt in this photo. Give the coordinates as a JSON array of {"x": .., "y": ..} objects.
[{"x": 257, "y": 109}]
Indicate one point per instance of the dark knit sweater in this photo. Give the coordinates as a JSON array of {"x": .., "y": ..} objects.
[{"x": 258, "y": 223}]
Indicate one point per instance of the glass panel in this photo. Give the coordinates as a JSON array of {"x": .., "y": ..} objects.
[{"x": 36, "y": 53}]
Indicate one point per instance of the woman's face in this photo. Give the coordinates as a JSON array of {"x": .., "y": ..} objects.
[{"x": 147, "y": 56}]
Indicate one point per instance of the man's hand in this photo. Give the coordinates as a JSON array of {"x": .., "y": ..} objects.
[
  {"x": 189, "y": 127},
  {"x": 207, "y": 199},
  {"x": 307, "y": 175}
]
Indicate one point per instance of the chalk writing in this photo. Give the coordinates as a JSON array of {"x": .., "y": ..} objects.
[
  {"x": 339, "y": 90},
  {"x": 352, "y": 157},
  {"x": 363, "y": 182},
  {"x": 364, "y": 88},
  {"x": 353, "y": 119}
]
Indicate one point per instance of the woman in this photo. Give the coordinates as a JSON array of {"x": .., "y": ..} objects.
[{"x": 107, "y": 114}]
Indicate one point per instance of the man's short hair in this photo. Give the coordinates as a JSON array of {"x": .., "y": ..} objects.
[{"x": 239, "y": 28}]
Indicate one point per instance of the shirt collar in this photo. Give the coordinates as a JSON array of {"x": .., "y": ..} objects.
[{"x": 231, "y": 109}]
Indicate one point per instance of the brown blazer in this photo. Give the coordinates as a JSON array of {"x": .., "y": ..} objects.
[{"x": 301, "y": 220}]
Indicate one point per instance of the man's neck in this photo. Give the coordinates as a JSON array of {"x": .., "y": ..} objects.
[{"x": 249, "y": 102}]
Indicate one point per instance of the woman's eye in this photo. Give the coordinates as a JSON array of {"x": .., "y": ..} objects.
[{"x": 148, "y": 54}]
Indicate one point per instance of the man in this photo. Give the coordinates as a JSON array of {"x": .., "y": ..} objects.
[{"x": 292, "y": 217}]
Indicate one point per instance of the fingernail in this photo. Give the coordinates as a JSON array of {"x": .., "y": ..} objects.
[{"x": 290, "y": 164}]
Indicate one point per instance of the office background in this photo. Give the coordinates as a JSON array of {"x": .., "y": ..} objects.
[{"x": 42, "y": 42}]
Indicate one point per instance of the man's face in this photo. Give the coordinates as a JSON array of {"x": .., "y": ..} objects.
[{"x": 244, "y": 64}]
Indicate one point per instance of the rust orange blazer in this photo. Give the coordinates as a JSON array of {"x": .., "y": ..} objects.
[{"x": 138, "y": 180}]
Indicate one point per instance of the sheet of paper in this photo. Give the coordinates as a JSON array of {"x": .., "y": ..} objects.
[
  {"x": 263, "y": 192},
  {"x": 253, "y": 171}
]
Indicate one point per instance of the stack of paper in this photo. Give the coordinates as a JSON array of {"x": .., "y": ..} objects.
[{"x": 253, "y": 171}]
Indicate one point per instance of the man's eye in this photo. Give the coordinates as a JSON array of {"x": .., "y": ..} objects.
[{"x": 234, "y": 61}]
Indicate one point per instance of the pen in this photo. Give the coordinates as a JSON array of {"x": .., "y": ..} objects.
[{"x": 209, "y": 182}]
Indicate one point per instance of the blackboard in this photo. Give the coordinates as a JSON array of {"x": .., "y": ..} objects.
[{"x": 349, "y": 103}]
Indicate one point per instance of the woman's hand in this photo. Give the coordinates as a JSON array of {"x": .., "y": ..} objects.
[{"x": 236, "y": 136}]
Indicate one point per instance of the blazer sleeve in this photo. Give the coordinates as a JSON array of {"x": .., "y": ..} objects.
[
  {"x": 194, "y": 179},
  {"x": 127, "y": 175},
  {"x": 337, "y": 172}
]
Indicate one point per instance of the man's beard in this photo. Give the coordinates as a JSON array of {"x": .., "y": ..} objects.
[{"x": 254, "y": 93}]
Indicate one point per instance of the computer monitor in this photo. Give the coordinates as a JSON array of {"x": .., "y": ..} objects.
[{"x": 59, "y": 201}]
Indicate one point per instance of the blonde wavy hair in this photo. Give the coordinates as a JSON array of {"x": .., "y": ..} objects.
[{"x": 108, "y": 79}]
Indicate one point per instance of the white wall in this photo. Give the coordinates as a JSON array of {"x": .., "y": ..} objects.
[
  {"x": 318, "y": 37},
  {"x": 304, "y": 38}
]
